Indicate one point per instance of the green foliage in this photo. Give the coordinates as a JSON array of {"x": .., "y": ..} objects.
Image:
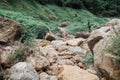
[
  {"x": 114, "y": 48},
  {"x": 36, "y": 20},
  {"x": 101, "y": 7},
  {"x": 89, "y": 58},
  {"x": 17, "y": 56}
]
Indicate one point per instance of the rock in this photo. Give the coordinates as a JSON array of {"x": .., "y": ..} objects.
[
  {"x": 77, "y": 50},
  {"x": 75, "y": 42},
  {"x": 75, "y": 73},
  {"x": 9, "y": 30},
  {"x": 65, "y": 62},
  {"x": 50, "y": 53},
  {"x": 66, "y": 55},
  {"x": 42, "y": 43},
  {"x": 58, "y": 43},
  {"x": 62, "y": 48},
  {"x": 81, "y": 65},
  {"x": 37, "y": 61},
  {"x": 92, "y": 71},
  {"x": 22, "y": 71},
  {"x": 53, "y": 78},
  {"x": 63, "y": 32},
  {"x": 50, "y": 37},
  {"x": 7, "y": 55},
  {"x": 65, "y": 23},
  {"x": 85, "y": 46},
  {"x": 82, "y": 35},
  {"x": 44, "y": 76},
  {"x": 77, "y": 58},
  {"x": 98, "y": 42},
  {"x": 54, "y": 70}
]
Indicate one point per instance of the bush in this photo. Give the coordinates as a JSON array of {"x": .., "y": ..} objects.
[
  {"x": 17, "y": 56},
  {"x": 114, "y": 48},
  {"x": 89, "y": 58}
]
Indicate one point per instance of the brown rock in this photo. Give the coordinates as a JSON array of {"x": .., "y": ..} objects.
[
  {"x": 66, "y": 55},
  {"x": 81, "y": 65},
  {"x": 77, "y": 50},
  {"x": 58, "y": 43},
  {"x": 85, "y": 46},
  {"x": 7, "y": 55},
  {"x": 42, "y": 43},
  {"x": 98, "y": 42},
  {"x": 75, "y": 42},
  {"x": 92, "y": 71},
  {"x": 77, "y": 58},
  {"x": 37, "y": 61},
  {"x": 61, "y": 48},
  {"x": 75, "y": 73},
  {"x": 50, "y": 37},
  {"x": 65, "y": 62},
  {"x": 50, "y": 53},
  {"x": 82, "y": 35},
  {"x": 9, "y": 30},
  {"x": 44, "y": 76},
  {"x": 65, "y": 23},
  {"x": 54, "y": 70}
]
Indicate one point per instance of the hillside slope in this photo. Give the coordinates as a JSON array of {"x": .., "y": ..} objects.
[{"x": 32, "y": 15}]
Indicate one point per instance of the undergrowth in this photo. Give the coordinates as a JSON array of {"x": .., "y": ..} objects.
[
  {"x": 17, "y": 56},
  {"x": 114, "y": 48},
  {"x": 38, "y": 19}
]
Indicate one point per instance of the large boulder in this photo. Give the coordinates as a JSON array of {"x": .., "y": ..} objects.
[
  {"x": 9, "y": 30},
  {"x": 75, "y": 73},
  {"x": 98, "y": 42},
  {"x": 22, "y": 71}
]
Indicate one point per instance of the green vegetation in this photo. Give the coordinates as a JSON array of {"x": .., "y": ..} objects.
[
  {"x": 17, "y": 56},
  {"x": 114, "y": 48},
  {"x": 38, "y": 19},
  {"x": 100, "y": 7},
  {"x": 88, "y": 60}
]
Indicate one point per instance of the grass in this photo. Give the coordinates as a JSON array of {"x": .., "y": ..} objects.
[
  {"x": 42, "y": 18},
  {"x": 114, "y": 48},
  {"x": 17, "y": 56},
  {"x": 88, "y": 60}
]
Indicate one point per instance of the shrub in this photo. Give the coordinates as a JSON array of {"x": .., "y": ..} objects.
[
  {"x": 114, "y": 48},
  {"x": 89, "y": 58},
  {"x": 17, "y": 56}
]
